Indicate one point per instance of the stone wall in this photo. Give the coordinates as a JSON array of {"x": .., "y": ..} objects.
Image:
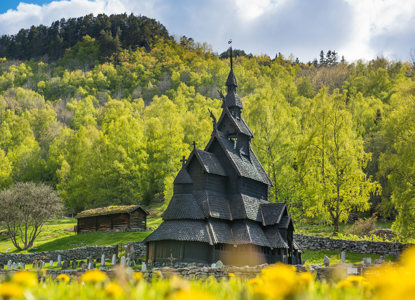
[
  {"x": 139, "y": 249},
  {"x": 71, "y": 254},
  {"x": 316, "y": 243},
  {"x": 196, "y": 272}
]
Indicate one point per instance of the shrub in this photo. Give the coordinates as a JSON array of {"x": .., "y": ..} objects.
[{"x": 363, "y": 227}]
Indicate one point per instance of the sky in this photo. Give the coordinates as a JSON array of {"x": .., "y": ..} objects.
[{"x": 356, "y": 29}]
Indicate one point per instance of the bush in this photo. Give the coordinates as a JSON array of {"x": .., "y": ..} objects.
[{"x": 363, "y": 227}]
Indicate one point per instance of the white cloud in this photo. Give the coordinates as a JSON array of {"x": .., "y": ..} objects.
[{"x": 355, "y": 28}]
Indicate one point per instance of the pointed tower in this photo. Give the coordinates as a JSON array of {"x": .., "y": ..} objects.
[{"x": 220, "y": 208}]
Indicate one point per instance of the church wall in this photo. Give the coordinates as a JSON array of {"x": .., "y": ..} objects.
[
  {"x": 253, "y": 188},
  {"x": 231, "y": 179},
  {"x": 243, "y": 144},
  {"x": 215, "y": 183},
  {"x": 196, "y": 173},
  {"x": 226, "y": 126},
  {"x": 181, "y": 251}
]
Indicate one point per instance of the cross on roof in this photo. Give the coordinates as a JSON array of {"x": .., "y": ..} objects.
[
  {"x": 194, "y": 145},
  {"x": 183, "y": 160}
]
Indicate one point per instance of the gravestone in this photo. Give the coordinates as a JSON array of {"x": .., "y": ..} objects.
[
  {"x": 14, "y": 266},
  {"x": 219, "y": 264},
  {"x": 129, "y": 251},
  {"x": 74, "y": 264},
  {"x": 326, "y": 261},
  {"x": 343, "y": 256},
  {"x": 51, "y": 263},
  {"x": 128, "y": 262},
  {"x": 380, "y": 260},
  {"x": 65, "y": 265},
  {"x": 114, "y": 260},
  {"x": 9, "y": 264},
  {"x": 367, "y": 260},
  {"x": 59, "y": 261},
  {"x": 123, "y": 261},
  {"x": 143, "y": 267},
  {"x": 102, "y": 260},
  {"x": 43, "y": 264},
  {"x": 90, "y": 266},
  {"x": 83, "y": 265}
]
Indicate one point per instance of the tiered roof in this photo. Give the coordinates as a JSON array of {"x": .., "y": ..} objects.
[{"x": 214, "y": 217}]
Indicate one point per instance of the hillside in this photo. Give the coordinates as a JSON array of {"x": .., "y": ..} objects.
[
  {"x": 111, "y": 34},
  {"x": 111, "y": 128}
]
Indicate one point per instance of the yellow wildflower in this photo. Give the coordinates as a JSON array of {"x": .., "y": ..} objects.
[
  {"x": 255, "y": 281},
  {"x": 93, "y": 276},
  {"x": 63, "y": 278},
  {"x": 138, "y": 276},
  {"x": 25, "y": 278},
  {"x": 10, "y": 290},
  {"x": 114, "y": 290},
  {"x": 231, "y": 274},
  {"x": 178, "y": 283},
  {"x": 191, "y": 294},
  {"x": 306, "y": 278}
]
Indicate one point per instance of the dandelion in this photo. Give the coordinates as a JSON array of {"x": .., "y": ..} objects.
[
  {"x": 25, "y": 278},
  {"x": 138, "y": 276},
  {"x": 191, "y": 294},
  {"x": 306, "y": 278},
  {"x": 356, "y": 281},
  {"x": 279, "y": 281},
  {"x": 179, "y": 283},
  {"x": 10, "y": 290},
  {"x": 231, "y": 274},
  {"x": 93, "y": 276},
  {"x": 113, "y": 290},
  {"x": 63, "y": 278}
]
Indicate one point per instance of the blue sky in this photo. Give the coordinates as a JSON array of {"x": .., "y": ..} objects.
[
  {"x": 5, "y": 5},
  {"x": 357, "y": 29}
]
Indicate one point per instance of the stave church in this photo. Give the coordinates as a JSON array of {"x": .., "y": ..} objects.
[{"x": 220, "y": 208}]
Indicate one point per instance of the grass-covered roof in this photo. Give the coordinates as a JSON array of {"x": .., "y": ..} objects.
[{"x": 109, "y": 210}]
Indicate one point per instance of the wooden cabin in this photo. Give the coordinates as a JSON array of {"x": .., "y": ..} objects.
[{"x": 112, "y": 218}]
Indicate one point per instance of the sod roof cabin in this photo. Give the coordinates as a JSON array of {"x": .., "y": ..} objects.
[
  {"x": 112, "y": 218},
  {"x": 220, "y": 208}
]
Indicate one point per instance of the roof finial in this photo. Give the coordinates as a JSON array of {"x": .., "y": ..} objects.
[{"x": 230, "y": 42}]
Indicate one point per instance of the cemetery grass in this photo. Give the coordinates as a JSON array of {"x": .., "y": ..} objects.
[
  {"x": 316, "y": 257},
  {"x": 55, "y": 237},
  {"x": 324, "y": 230}
]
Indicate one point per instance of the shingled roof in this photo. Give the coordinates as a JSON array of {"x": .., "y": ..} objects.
[
  {"x": 183, "y": 177},
  {"x": 175, "y": 209},
  {"x": 181, "y": 230},
  {"x": 272, "y": 212},
  {"x": 109, "y": 210},
  {"x": 246, "y": 167}
]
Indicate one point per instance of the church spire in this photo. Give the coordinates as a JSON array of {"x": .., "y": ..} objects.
[{"x": 232, "y": 100}]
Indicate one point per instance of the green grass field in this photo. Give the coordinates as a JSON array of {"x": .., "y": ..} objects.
[
  {"x": 316, "y": 257},
  {"x": 55, "y": 237},
  {"x": 327, "y": 231}
]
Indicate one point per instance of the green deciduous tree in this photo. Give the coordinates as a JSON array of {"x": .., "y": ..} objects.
[
  {"x": 332, "y": 160},
  {"x": 398, "y": 162},
  {"x": 25, "y": 208}
]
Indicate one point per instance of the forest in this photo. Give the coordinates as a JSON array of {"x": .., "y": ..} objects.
[{"x": 103, "y": 108}]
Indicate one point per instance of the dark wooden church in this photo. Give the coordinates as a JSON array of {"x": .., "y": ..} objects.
[{"x": 220, "y": 208}]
